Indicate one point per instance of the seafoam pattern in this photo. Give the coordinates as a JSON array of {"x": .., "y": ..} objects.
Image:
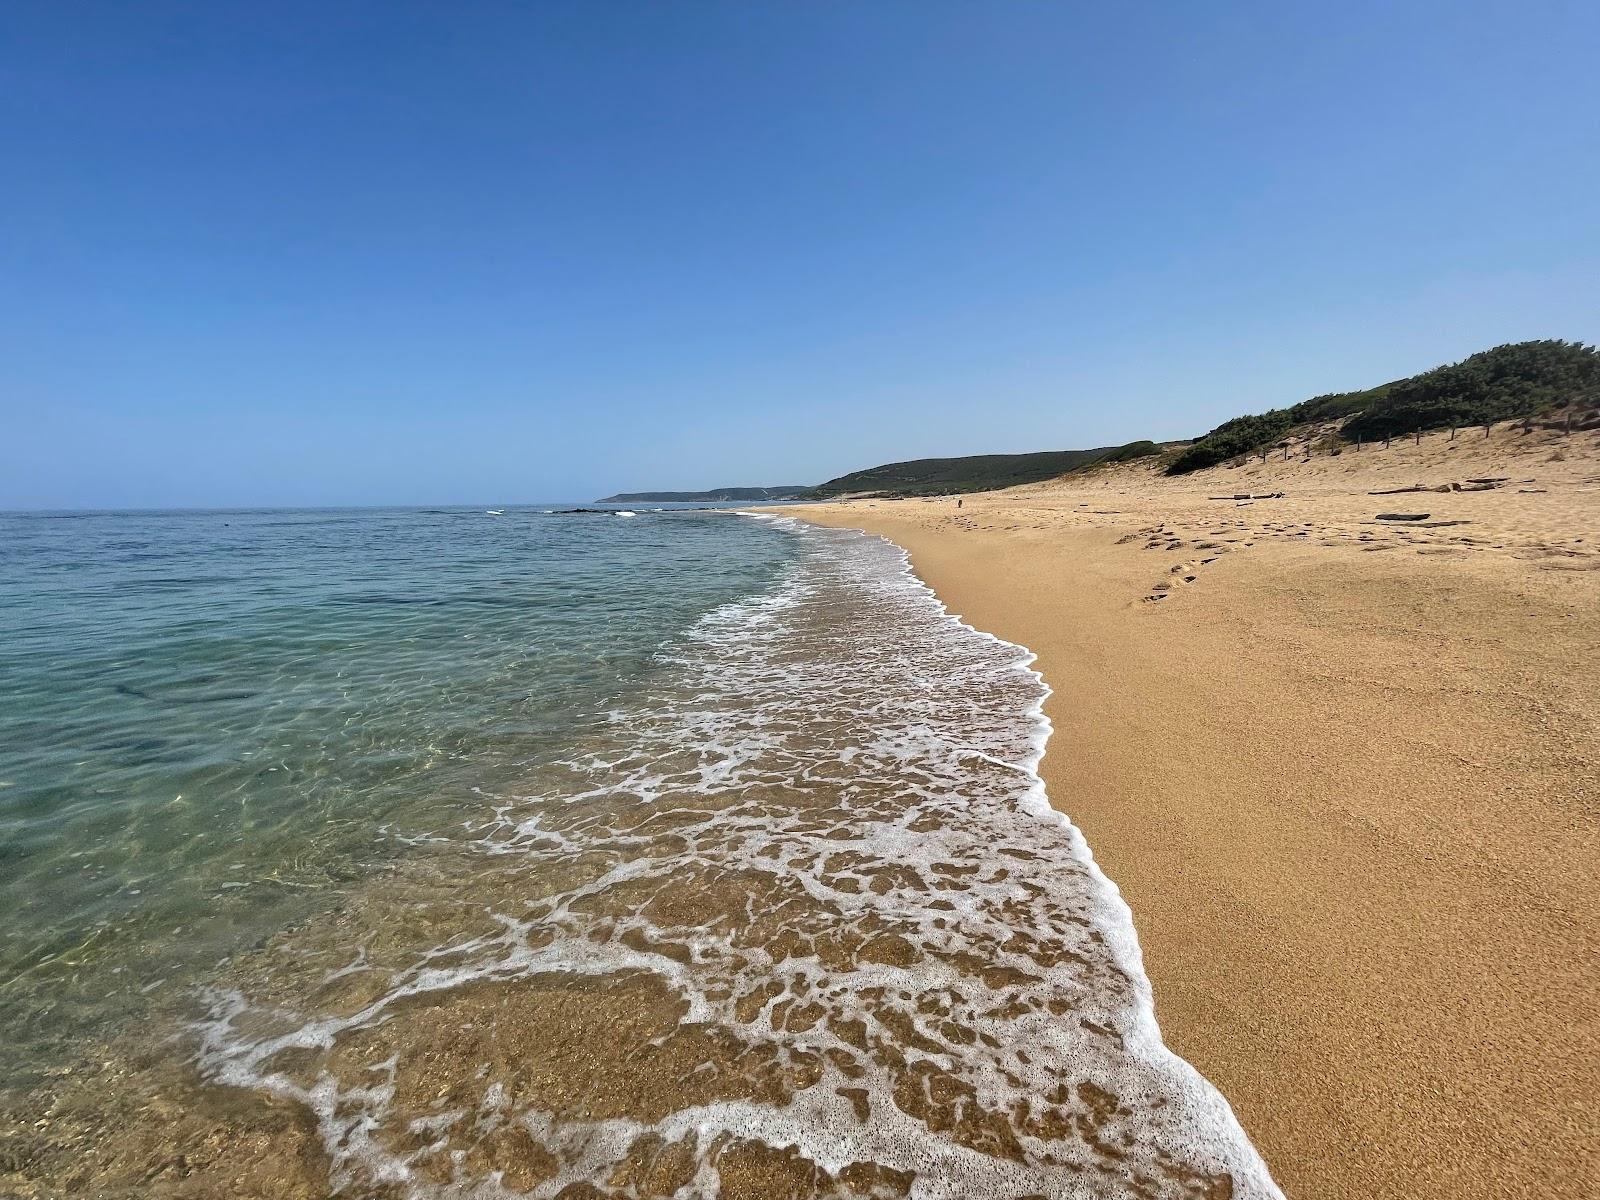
[{"x": 802, "y": 922}]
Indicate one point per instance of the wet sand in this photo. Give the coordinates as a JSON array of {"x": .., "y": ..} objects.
[{"x": 1345, "y": 773}]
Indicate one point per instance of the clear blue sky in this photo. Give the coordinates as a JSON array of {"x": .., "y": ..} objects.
[{"x": 286, "y": 253}]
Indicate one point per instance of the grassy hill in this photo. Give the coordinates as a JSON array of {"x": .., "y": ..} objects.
[
  {"x": 1517, "y": 380},
  {"x": 974, "y": 473}
]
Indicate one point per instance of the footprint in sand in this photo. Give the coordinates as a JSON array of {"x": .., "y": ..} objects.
[{"x": 1185, "y": 572}]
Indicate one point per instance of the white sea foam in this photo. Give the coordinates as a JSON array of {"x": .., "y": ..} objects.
[{"x": 822, "y": 835}]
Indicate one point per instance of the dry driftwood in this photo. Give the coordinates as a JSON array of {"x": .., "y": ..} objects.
[
  {"x": 1249, "y": 496},
  {"x": 1404, "y": 516},
  {"x": 1470, "y": 485}
]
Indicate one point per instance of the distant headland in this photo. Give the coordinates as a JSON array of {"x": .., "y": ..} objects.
[{"x": 733, "y": 495}]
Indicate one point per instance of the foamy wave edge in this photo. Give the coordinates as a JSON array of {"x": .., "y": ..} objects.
[{"x": 1112, "y": 907}]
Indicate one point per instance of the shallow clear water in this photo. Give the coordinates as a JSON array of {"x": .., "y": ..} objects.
[
  {"x": 666, "y": 856},
  {"x": 212, "y": 722}
]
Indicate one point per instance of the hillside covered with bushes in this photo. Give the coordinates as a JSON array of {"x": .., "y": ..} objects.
[{"x": 1515, "y": 381}]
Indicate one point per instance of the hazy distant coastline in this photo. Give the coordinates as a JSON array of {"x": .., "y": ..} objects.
[{"x": 741, "y": 494}]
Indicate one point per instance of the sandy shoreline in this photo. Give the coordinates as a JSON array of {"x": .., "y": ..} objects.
[
  {"x": 1344, "y": 772},
  {"x": 786, "y": 923}
]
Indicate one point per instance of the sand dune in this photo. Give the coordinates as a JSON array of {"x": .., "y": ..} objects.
[{"x": 1345, "y": 771}]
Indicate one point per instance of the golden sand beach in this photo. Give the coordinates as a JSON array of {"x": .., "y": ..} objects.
[{"x": 1344, "y": 771}]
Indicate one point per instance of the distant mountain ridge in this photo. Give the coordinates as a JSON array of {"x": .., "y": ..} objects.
[
  {"x": 715, "y": 495},
  {"x": 976, "y": 472}
]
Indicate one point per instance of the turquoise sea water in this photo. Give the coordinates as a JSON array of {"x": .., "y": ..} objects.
[{"x": 210, "y": 722}]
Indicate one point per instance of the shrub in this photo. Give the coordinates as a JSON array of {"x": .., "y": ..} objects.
[
  {"x": 1133, "y": 450},
  {"x": 1514, "y": 380},
  {"x": 1335, "y": 405},
  {"x": 1519, "y": 379},
  {"x": 1242, "y": 435}
]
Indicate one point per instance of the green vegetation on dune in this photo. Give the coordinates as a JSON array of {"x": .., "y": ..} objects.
[
  {"x": 1336, "y": 405},
  {"x": 1247, "y": 434},
  {"x": 1133, "y": 450},
  {"x": 1521, "y": 379},
  {"x": 975, "y": 473},
  {"x": 1241, "y": 435}
]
